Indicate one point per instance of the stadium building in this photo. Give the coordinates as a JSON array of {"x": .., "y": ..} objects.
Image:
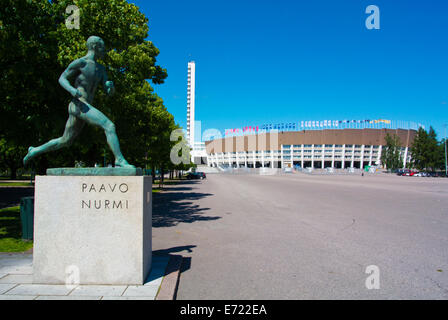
[{"x": 350, "y": 146}]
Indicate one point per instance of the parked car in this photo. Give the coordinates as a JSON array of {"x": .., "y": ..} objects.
[
  {"x": 201, "y": 175},
  {"x": 401, "y": 172},
  {"x": 196, "y": 175},
  {"x": 440, "y": 174},
  {"x": 432, "y": 174},
  {"x": 404, "y": 172}
]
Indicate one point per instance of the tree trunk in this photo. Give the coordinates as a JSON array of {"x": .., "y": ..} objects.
[
  {"x": 161, "y": 178},
  {"x": 13, "y": 174}
]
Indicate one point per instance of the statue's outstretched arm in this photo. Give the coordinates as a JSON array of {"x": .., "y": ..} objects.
[{"x": 72, "y": 70}]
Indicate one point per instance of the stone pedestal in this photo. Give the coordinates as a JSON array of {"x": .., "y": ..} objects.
[{"x": 92, "y": 229}]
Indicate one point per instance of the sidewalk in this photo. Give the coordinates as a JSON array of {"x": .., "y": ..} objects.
[{"x": 16, "y": 276}]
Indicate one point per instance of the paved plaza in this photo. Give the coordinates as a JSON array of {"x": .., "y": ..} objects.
[
  {"x": 16, "y": 283},
  {"x": 290, "y": 236},
  {"x": 298, "y": 236}
]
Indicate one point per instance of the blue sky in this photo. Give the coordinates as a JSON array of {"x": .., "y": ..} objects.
[{"x": 282, "y": 61}]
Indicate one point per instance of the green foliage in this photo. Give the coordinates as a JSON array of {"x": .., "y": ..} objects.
[
  {"x": 11, "y": 231},
  {"x": 390, "y": 157},
  {"x": 182, "y": 149},
  {"x": 427, "y": 152},
  {"x": 443, "y": 151},
  {"x": 11, "y": 156},
  {"x": 36, "y": 47}
]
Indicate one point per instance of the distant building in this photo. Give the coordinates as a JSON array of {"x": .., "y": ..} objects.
[
  {"x": 191, "y": 101},
  {"x": 198, "y": 154},
  {"x": 326, "y": 148}
]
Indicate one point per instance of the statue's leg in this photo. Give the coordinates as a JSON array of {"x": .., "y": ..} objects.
[
  {"x": 95, "y": 117},
  {"x": 72, "y": 128}
]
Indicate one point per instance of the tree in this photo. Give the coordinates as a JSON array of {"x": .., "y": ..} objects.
[
  {"x": 443, "y": 150},
  {"x": 10, "y": 157},
  {"x": 391, "y": 157},
  {"x": 25, "y": 61},
  {"x": 35, "y": 48},
  {"x": 427, "y": 153},
  {"x": 181, "y": 151}
]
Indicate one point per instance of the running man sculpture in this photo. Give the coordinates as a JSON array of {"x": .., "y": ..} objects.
[{"x": 88, "y": 73}]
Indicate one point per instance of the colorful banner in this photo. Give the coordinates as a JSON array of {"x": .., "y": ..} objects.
[{"x": 324, "y": 124}]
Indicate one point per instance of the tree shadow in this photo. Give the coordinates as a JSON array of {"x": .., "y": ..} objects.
[
  {"x": 10, "y": 196},
  {"x": 165, "y": 252},
  {"x": 185, "y": 263},
  {"x": 177, "y": 188},
  {"x": 10, "y": 226},
  {"x": 178, "y": 205},
  {"x": 180, "y": 181}
]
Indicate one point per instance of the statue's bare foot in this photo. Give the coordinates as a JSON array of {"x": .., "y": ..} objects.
[
  {"x": 122, "y": 163},
  {"x": 28, "y": 156}
]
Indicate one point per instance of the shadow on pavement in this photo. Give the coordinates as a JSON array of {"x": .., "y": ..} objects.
[
  {"x": 186, "y": 264},
  {"x": 165, "y": 252},
  {"x": 178, "y": 205},
  {"x": 10, "y": 196},
  {"x": 186, "y": 261}
]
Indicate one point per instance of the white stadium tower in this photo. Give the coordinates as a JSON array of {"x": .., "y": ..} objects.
[{"x": 198, "y": 154}]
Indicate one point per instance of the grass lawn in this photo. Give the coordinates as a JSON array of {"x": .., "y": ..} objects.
[
  {"x": 16, "y": 184},
  {"x": 11, "y": 231}
]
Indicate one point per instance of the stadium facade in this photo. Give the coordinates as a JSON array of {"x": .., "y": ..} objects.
[{"x": 317, "y": 148}]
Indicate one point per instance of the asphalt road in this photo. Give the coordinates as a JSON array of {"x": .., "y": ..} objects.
[{"x": 306, "y": 237}]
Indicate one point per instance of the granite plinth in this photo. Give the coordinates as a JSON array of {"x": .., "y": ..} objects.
[
  {"x": 104, "y": 171},
  {"x": 92, "y": 230}
]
